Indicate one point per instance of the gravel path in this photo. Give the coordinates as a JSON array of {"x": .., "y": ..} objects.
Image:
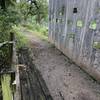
[{"x": 65, "y": 80}]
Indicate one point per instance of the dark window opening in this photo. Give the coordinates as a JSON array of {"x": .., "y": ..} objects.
[
  {"x": 61, "y": 11},
  {"x": 75, "y": 10},
  {"x": 56, "y": 20},
  {"x": 49, "y": 18}
]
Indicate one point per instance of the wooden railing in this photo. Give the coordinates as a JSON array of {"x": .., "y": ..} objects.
[{"x": 7, "y": 77}]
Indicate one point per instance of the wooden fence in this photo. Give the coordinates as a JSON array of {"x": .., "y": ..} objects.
[
  {"x": 7, "y": 76},
  {"x": 74, "y": 27}
]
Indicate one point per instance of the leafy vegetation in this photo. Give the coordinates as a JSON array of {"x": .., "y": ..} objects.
[
  {"x": 34, "y": 15},
  {"x": 21, "y": 40},
  {"x": 36, "y": 8},
  {"x": 8, "y": 17},
  {"x": 38, "y": 30},
  {"x": 96, "y": 45},
  {"x": 29, "y": 13}
]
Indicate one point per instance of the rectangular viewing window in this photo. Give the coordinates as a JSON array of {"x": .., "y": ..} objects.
[{"x": 75, "y": 10}]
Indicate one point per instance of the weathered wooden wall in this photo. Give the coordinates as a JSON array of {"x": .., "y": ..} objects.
[{"x": 74, "y": 27}]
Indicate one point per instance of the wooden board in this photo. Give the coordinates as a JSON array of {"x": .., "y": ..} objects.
[{"x": 76, "y": 32}]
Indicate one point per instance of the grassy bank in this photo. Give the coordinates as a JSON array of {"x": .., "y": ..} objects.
[
  {"x": 21, "y": 40},
  {"x": 39, "y": 30}
]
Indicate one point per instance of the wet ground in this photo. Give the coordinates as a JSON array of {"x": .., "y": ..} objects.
[
  {"x": 64, "y": 79},
  {"x": 32, "y": 85}
]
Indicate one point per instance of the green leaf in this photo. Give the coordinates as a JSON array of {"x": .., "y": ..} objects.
[
  {"x": 96, "y": 45},
  {"x": 93, "y": 25},
  {"x": 79, "y": 23}
]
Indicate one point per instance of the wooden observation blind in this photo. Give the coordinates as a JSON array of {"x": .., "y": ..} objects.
[{"x": 74, "y": 27}]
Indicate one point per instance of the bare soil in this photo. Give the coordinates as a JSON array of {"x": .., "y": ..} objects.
[
  {"x": 65, "y": 80},
  {"x": 33, "y": 86}
]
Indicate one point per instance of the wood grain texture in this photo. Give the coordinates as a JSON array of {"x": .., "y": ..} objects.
[{"x": 74, "y": 41}]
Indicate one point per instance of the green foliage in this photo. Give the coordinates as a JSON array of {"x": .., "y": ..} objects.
[
  {"x": 38, "y": 9},
  {"x": 4, "y": 57},
  {"x": 13, "y": 14},
  {"x": 80, "y": 23},
  {"x": 93, "y": 25},
  {"x": 8, "y": 18},
  {"x": 37, "y": 29},
  {"x": 20, "y": 37},
  {"x": 96, "y": 45},
  {"x": 23, "y": 8},
  {"x": 42, "y": 12}
]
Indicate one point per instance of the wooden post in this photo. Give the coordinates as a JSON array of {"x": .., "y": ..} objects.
[
  {"x": 6, "y": 90},
  {"x": 11, "y": 48},
  {"x": 8, "y": 78}
]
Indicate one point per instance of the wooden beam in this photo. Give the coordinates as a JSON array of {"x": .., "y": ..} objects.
[
  {"x": 6, "y": 89},
  {"x": 2, "y": 4},
  {"x": 5, "y": 43}
]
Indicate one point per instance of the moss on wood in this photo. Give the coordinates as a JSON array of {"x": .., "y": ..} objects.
[{"x": 6, "y": 90}]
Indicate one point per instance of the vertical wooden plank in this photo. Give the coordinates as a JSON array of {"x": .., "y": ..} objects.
[
  {"x": 69, "y": 25},
  {"x": 80, "y": 16},
  {"x": 87, "y": 35},
  {"x": 94, "y": 58},
  {"x": 11, "y": 48},
  {"x": 50, "y": 19},
  {"x": 18, "y": 95},
  {"x": 77, "y": 37},
  {"x": 6, "y": 90},
  {"x": 54, "y": 19},
  {"x": 61, "y": 22},
  {"x": 57, "y": 28}
]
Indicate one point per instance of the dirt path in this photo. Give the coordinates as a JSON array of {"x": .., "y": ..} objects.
[
  {"x": 33, "y": 86},
  {"x": 65, "y": 80}
]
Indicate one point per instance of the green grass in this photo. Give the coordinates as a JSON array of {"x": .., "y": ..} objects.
[
  {"x": 21, "y": 30},
  {"x": 20, "y": 37},
  {"x": 40, "y": 35},
  {"x": 38, "y": 30}
]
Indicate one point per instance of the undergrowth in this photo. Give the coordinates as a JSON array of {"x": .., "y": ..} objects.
[
  {"x": 39, "y": 30},
  {"x": 21, "y": 39}
]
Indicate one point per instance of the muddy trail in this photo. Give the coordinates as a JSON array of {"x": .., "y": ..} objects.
[
  {"x": 64, "y": 79},
  {"x": 33, "y": 87}
]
